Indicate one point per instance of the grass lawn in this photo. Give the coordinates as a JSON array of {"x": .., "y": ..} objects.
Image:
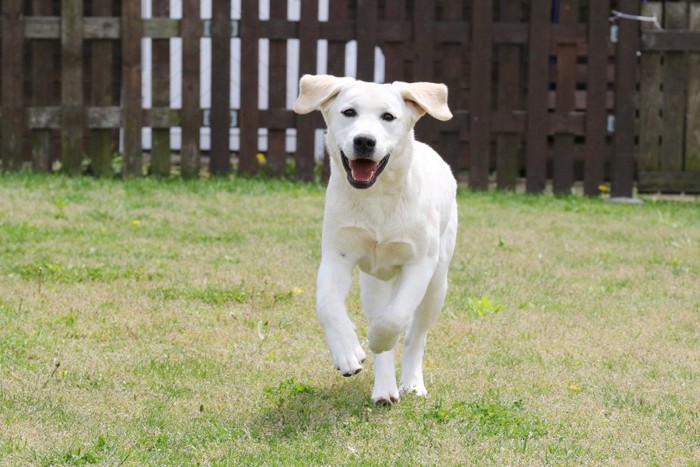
[{"x": 173, "y": 323}]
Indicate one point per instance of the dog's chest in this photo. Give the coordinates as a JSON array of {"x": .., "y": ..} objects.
[{"x": 379, "y": 257}]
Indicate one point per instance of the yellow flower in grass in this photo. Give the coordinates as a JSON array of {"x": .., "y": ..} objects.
[
  {"x": 136, "y": 222},
  {"x": 262, "y": 160},
  {"x": 574, "y": 388},
  {"x": 297, "y": 291},
  {"x": 603, "y": 188}
]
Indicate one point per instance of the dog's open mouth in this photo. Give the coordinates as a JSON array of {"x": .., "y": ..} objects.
[{"x": 362, "y": 172}]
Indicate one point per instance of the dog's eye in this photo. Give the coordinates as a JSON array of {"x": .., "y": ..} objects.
[
  {"x": 349, "y": 113},
  {"x": 387, "y": 117}
]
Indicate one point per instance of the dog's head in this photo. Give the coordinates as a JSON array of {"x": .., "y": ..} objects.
[{"x": 369, "y": 123}]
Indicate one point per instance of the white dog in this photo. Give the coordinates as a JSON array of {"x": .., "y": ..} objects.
[{"x": 390, "y": 210}]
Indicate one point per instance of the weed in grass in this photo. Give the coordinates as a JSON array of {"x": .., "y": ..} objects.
[
  {"x": 482, "y": 307},
  {"x": 289, "y": 389},
  {"x": 476, "y": 308},
  {"x": 489, "y": 417}
]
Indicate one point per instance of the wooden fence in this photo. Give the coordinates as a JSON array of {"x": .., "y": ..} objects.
[
  {"x": 539, "y": 89},
  {"x": 669, "y": 107}
]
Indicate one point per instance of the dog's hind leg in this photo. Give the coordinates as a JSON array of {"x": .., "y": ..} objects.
[
  {"x": 414, "y": 342},
  {"x": 385, "y": 390},
  {"x": 375, "y": 295}
]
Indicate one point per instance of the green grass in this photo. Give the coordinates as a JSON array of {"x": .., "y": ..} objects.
[{"x": 172, "y": 323}]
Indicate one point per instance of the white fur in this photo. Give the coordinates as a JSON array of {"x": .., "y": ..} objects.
[{"x": 400, "y": 231}]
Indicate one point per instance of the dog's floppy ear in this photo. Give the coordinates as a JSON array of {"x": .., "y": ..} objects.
[
  {"x": 429, "y": 97},
  {"x": 314, "y": 90}
]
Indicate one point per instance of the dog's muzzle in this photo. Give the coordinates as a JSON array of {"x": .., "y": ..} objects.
[{"x": 363, "y": 172}]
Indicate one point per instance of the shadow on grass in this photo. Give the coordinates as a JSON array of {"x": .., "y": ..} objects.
[{"x": 300, "y": 409}]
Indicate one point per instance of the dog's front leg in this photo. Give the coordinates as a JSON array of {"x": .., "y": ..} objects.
[
  {"x": 386, "y": 328},
  {"x": 333, "y": 285}
]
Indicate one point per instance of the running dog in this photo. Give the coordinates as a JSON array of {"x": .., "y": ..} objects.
[{"x": 391, "y": 211}]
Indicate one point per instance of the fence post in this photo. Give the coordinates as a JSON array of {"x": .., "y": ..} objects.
[
  {"x": 161, "y": 154},
  {"x": 308, "y": 37},
  {"x": 102, "y": 140},
  {"x": 43, "y": 74},
  {"x": 509, "y": 144},
  {"x": 394, "y": 52},
  {"x": 450, "y": 146},
  {"x": 249, "y": 114},
  {"x": 12, "y": 80},
  {"x": 422, "y": 57},
  {"x": 692, "y": 145},
  {"x": 596, "y": 87},
  {"x": 480, "y": 124},
  {"x": 537, "y": 88},
  {"x": 625, "y": 91},
  {"x": 132, "y": 114},
  {"x": 220, "y": 158},
  {"x": 276, "y": 137},
  {"x": 563, "y": 154},
  {"x": 191, "y": 122},
  {"x": 336, "y": 62},
  {"x": 366, "y": 21},
  {"x": 72, "y": 102}
]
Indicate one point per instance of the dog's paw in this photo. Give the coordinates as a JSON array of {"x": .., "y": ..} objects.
[
  {"x": 385, "y": 391},
  {"x": 347, "y": 354},
  {"x": 385, "y": 398}
]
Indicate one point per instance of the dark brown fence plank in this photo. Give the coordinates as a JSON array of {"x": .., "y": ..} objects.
[
  {"x": 452, "y": 74},
  {"x": 102, "y": 141},
  {"x": 692, "y": 146},
  {"x": 308, "y": 35},
  {"x": 675, "y": 80},
  {"x": 596, "y": 88},
  {"x": 249, "y": 113},
  {"x": 12, "y": 88},
  {"x": 394, "y": 51},
  {"x": 336, "y": 48},
  {"x": 423, "y": 58},
  {"x": 563, "y": 154},
  {"x": 277, "y": 137},
  {"x": 537, "y": 84},
  {"x": 132, "y": 116},
  {"x": 12, "y": 85},
  {"x": 336, "y": 62},
  {"x": 508, "y": 145},
  {"x": 480, "y": 123},
  {"x": 72, "y": 102},
  {"x": 43, "y": 94},
  {"x": 191, "y": 112},
  {"x": 161, "y": 154},
  {"x": 423, "y": 37},
  {"x": 366, "y": 22},
  {"x": 220, "y": 158},
  {"x": 650, "y": 99},
  {"x": 625, "y": 90}
]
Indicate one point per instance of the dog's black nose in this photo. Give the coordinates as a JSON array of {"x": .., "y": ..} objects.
[{"x": 364, "y": 144}]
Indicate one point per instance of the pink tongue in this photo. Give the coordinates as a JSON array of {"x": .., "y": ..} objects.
[{"x": 363, "y": 169}]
